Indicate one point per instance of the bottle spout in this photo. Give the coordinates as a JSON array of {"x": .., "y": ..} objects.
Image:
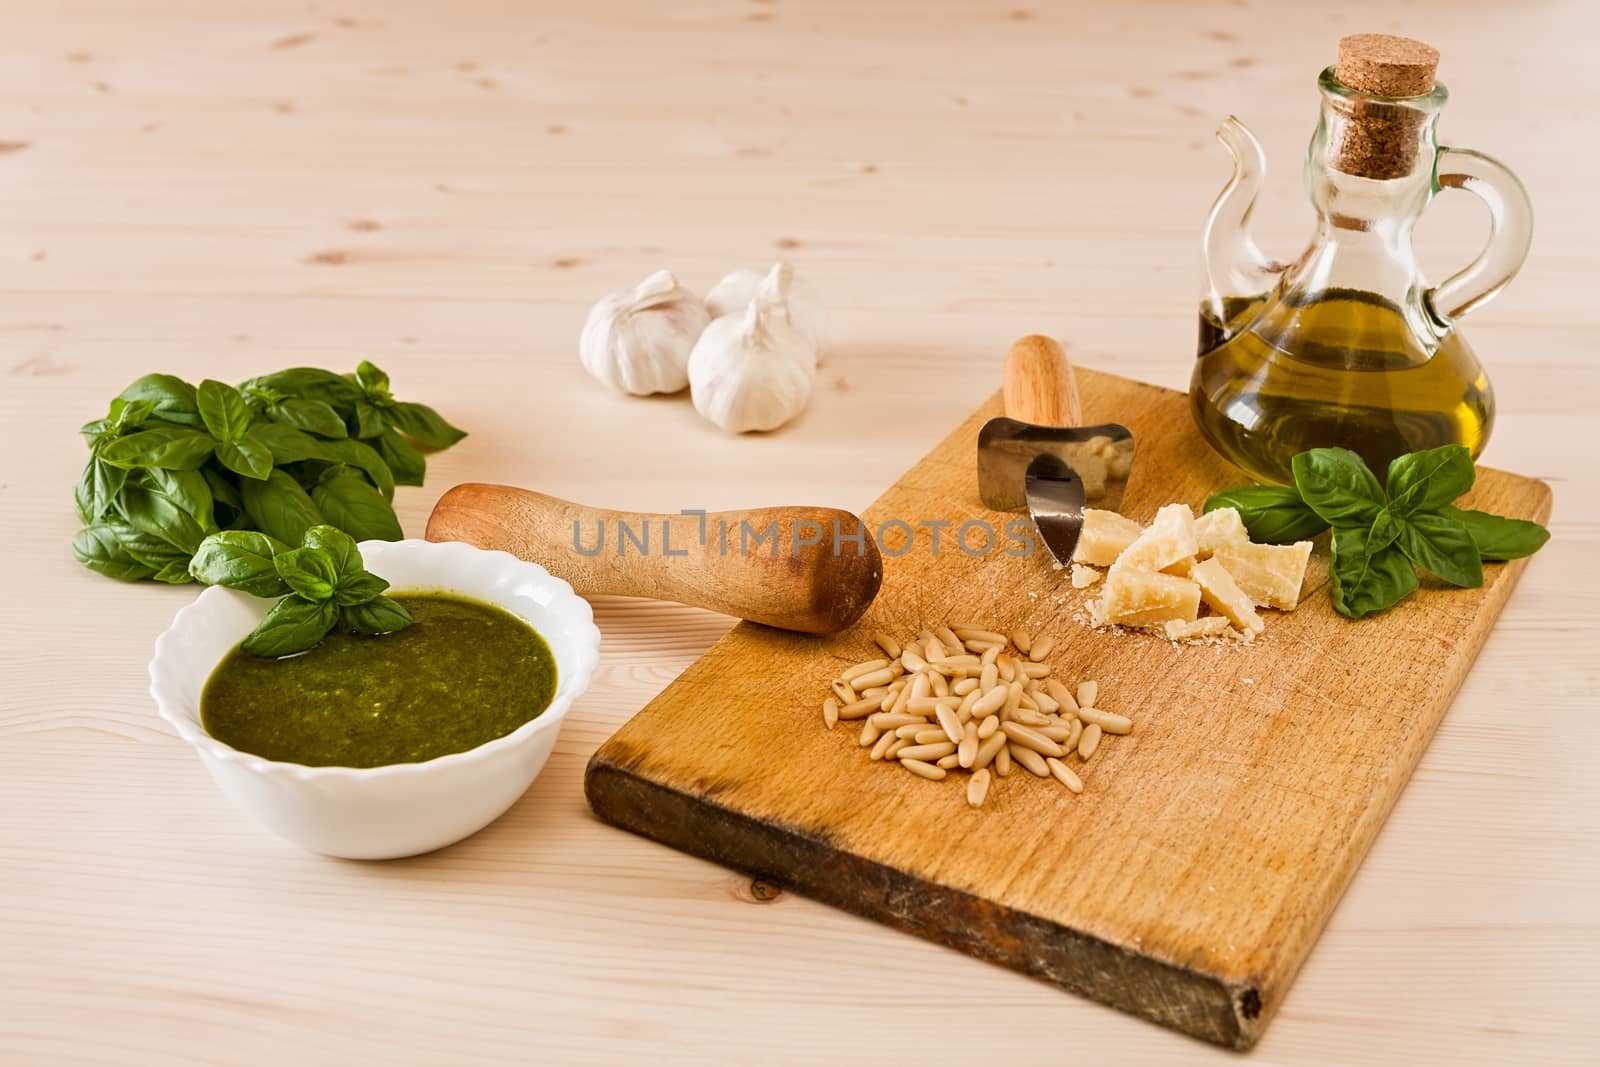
[{"x": 1235, "y": 267}]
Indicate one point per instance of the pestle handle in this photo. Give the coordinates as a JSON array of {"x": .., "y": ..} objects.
[{"x": 798, "y": 577}]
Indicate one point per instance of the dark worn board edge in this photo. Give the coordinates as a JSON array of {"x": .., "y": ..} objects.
[
  {"x": 1191, "y": 1002},
  {"x": 1232, "y": 1014}
]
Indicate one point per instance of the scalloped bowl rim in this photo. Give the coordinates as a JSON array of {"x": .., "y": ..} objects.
[{"x": 586, "y": 636}]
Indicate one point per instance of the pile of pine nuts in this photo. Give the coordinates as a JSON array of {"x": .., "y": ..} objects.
[{"x": 959, "y": 698}]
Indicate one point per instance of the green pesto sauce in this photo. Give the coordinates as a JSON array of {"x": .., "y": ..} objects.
[{"x": 463, "y": 673}]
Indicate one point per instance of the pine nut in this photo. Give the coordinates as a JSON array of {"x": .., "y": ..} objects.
[
  {"x": 989, "y": 678},
  {"x": 1064, "y": 775},
  {"x": 869, "y": 734},
  {"x": 858, "y": 710},
  {"x": 842, "y": 690},
  {"x": 924, "y": 770},
  {"x": 947, "y": 637},
  {"x": 882, "y": 746},
  {"x": 1057, "y": 733},
  {"x": 988, "y": 636},
  {"x": 928, "y": 752},
  {"x": 1087, "y": 691},
  {"x": 930, "y": 735},
  {"x": 1074, "y": 737},
  {"x": 937, "y": 683},
  {"x": 951, "y": 724},
  {"x": 1013, "y": 700},
  {"x": 968, "y": 749},
  {"x": 978, "y": 788},
  {"x": 933, "y": 648},
  {"x": 1062, "y": 694},
  {"x": 890, "y": 646},
  {"x": 879, "y": 677},
  {"x": 830, "y": 712},
  {"x": 871, "y": 666},
  {"x": 893, "y": 751},
  {"x": 1033, "y": 670},
  {"x": 1046, "y": 703},
  {"x": 949, "y": 762},
  {"x": 965, "y": 686},
  {"x": 888, "y": 720},
  {"x": 991, "y": 701},
  {"x": 926, "y": 706},
  {"x": 1108, "y": 721},
  {"x": 913, "y": 662},
  {"x": 920, "y": 686},
  {"x": 983, "y": 646},
  {"x": 1041, "y": 648},
  {"x": 1030, "y": 760},
  {"x": 987, "y": 728},
  {"x": 913, "y": 729},
  {"x": 1002, "y": 758},
  {"x": 1022, "y": 641},
  {"x": 1089, "y": 741},
  {"x": 1008, "y": 670},
  {"x": 989, "y": 748},
  {"x": 1028, "y": 737}
]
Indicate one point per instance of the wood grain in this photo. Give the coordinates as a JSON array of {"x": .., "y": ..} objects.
[
  {"x": 224, "y": 189},
  {"x": 1189, "y": 880}
]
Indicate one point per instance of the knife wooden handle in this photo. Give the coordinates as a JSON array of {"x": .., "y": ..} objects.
[
  {"x": 801, "y": 575},
  {"x": 1040, "y": 387}
]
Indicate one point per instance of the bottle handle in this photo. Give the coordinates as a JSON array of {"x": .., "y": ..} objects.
[{"x": 1510, "y": 230}]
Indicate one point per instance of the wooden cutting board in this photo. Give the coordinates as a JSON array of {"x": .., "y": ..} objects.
[{"x": 1189, "y": 880}]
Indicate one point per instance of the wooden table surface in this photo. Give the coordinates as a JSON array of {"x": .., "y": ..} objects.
[{"x": 225, "y": 189}]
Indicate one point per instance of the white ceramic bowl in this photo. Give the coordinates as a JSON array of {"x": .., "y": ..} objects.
[{"x": 404, "y": 809}]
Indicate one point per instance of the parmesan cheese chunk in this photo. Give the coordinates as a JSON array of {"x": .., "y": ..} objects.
[
  {"x": 1165, "y": 541},
  {"x": 1106, "y": 535},
  {"x": 1224, "y": 595},
  {"x": 1135, "y": 597},
  {"x": 1210, "y": 626},
  {"x": 1271, "y": 575},
  {"x": 1083, "y": 577},
  {"x": 1220, "y": 527}
]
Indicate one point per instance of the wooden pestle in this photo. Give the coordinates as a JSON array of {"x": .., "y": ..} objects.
[{"x": 793, "y": 579}]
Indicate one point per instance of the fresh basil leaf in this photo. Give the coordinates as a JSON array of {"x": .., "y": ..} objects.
[
  {"x": 379, "y": 615},
  {"x": 1384, "y": 531},
  {"x": 1441, "y": 546},
  {"x": 293, "y": 625},
  {"x": 372, "y": 380},
  {"x": 1364, "y": 581},
  {"x": 312, "y": 383},
  {"x": 338, "y": 546},
  {"x": 424, "y": 425},
  {"x": 223, "y": 410},
  {"x": 287, "y": 443},
  {"x": 358, "y": 589},
  {"x": 170, "y": 398},
  {"x": 152, "y": 513},
  {"x": 100, "y": 548},
  {"x": 348, "y": 501},
  {"x": 1427, "y": 481},
  {"x": 240, "y": 559},
  {"x": 369, "y": 420},
  {"x": 174, "y": 572},
  {"x": 247, "y": 456},
  {"x": 167, "y": 447},
  {"x": 405, "y": 462},
  {"x": 1338, "y": 486},
  {"x": 187, "y": 489},
  {"x": 222, "y": 486},
  {"x": 310, "y": 415},
  {"x": 279, "y": 507},
  {"x": 127, "y": 415},
  {"x": 1497, "y": 537},
  {"x": 365, "y": 458},
  {"x": 308, "y": 571},
  {"x": 1272, "y": 514},
  {"x": 97, "y": 488}
]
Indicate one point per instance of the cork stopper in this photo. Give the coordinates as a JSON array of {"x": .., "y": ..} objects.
[
  {"x": 1384, "y": 65},
  {"x": 1379, "y": 138}
]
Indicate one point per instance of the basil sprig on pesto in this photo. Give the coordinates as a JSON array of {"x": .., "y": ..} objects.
[
  {"x": 322, "y": 584},
  {"x": 1383, "y": 533},
  {"x": 172, "y": 463}
]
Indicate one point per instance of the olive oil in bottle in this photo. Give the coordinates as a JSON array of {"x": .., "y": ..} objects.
[
  {"x": 1348, "y": 345},
  {"x": 1344, "y": 369}
]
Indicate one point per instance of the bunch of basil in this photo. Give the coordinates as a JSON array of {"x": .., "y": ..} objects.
[
  {"x": 171, "y": 464},
  {"x": 1382, "y": 535}
]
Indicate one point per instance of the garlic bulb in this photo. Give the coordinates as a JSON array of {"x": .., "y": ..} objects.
[
  {"x": 735, "y": 292},
  {"x": 752, "y": 371},
  {"x": 638, "y": 342}
]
